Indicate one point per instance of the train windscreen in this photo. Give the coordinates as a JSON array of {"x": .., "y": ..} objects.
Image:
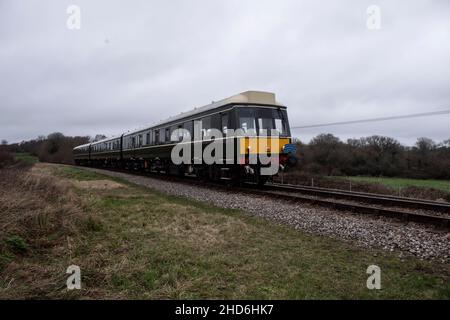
[{"x": 263, "y": 121}]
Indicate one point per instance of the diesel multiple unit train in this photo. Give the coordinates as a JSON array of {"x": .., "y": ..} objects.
[{"x": 259, "y": 127}]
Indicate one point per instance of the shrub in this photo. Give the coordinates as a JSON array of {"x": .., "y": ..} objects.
[
  {"x": 6, "y": 158},
  {"x": 16, "y": 244}
]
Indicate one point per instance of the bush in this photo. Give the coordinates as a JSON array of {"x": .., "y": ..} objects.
[
  {"x": 16, "y": 244},
  {"x": 6, "y": 158},
  {"x": 37, "y": 210}
]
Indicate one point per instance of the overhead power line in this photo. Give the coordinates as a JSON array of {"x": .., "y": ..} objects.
[{"x": 414, "y": 115}]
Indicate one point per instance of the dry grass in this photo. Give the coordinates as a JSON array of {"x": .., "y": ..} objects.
[
  {"x": 98, "y": 185},
  {"x": 38, "y": 214}
]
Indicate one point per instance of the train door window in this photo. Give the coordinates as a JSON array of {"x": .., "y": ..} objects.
[
  {"x": 206, "y": 126},
  {"x": 167, "y": 136},
  {"x": 140, "y": 141},
  {"x": 216, "y": 121},
  {"x": 224, "y": 121},
  {"x": 188, "y": 130},
  {"x": 180, "y": 134},
  {"x": 157, "y": 136},
  {"x": 133, "y": 142},
  {"x": 147, "y": 138},
  {"x": 173, "y": 138}
]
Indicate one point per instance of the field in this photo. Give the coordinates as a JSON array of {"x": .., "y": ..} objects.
[
  {"x": 397, "y": 183},
  {"x": 132, "y": 242}
]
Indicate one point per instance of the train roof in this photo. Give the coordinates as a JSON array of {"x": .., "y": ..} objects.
[
  {"x": 248, "y": 97},
  {"x": 82, "y": 146},
  {"x": 97, "y": 142}
]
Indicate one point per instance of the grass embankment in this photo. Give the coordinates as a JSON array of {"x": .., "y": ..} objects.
[
  {"x": 401, "y": 183},
  {"x": 131, "y": 242},
  {"x": 26, "y": 158}
]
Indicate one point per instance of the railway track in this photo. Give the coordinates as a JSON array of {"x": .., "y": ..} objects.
[
  {"x": 366, "y": 197},
  {"x": 426, "y": 212},
  {"x": 436, "y": 213}
]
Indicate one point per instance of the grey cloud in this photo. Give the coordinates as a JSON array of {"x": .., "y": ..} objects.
[{"x": 137, "y": 63}]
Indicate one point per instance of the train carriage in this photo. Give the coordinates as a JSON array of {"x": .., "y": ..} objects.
[{"x": 249, "y": 116}]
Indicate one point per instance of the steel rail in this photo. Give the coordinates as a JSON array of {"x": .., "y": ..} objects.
[{"x": 364, "y": 197}]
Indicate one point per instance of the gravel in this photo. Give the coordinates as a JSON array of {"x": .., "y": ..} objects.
[{"x": 365, "y": 231}]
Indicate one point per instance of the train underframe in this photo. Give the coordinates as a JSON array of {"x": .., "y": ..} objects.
[{"x": 235, "y": 173}]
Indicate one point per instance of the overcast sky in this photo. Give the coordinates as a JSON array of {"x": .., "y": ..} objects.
[{"x": 138, "y": 62}]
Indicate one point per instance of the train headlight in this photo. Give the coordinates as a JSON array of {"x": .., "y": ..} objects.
[{"x": 290, "y": 148}]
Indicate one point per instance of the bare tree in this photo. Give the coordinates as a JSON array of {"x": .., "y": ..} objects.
[{"x": 98, "y": 137}]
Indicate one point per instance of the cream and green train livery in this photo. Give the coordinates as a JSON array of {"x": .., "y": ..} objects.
[{"x": 250, "y": 116}]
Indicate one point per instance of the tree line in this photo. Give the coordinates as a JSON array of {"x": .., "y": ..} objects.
[
  {"x": 56, "y": 147},
  {"x": 376, "y": 155},
  {"x": 325, "y": 154}
]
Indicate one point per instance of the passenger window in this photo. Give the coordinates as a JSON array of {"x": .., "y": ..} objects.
[
  {"x": 172, "y": 130},
  {"x": 224, "y": 123},
  {"x": 157, "y": 136},
  {"x": 206, "y": 126},
  {"x": 188, "y": 129},
  {"x": 147, "y": 138}
]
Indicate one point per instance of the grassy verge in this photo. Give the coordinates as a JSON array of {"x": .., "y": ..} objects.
[
  {"x": 75, "y": 173},
  {"x": 131, "y": 242},
  {"x": 26, "y": 158},
  {"x": 401, "y": 183}
]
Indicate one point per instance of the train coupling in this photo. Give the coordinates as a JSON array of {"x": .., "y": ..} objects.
[{"x": 249, "y": 170}]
